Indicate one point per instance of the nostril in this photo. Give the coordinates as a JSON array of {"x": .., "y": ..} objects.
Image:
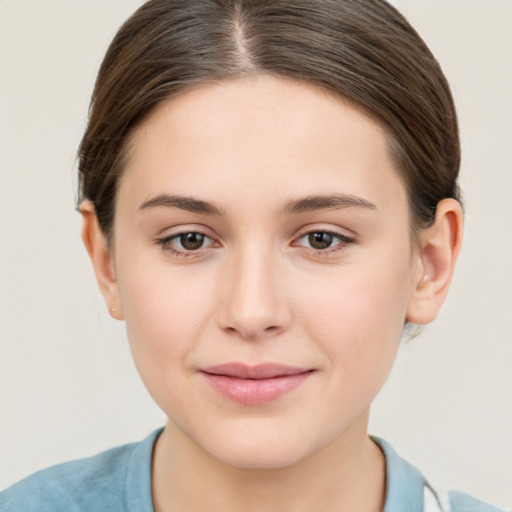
[{"x": 252, "y": 333}]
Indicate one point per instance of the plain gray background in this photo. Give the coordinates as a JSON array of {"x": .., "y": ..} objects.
[{"x": 68, "y": 387}]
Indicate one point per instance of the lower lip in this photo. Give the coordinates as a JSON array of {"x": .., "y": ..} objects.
[{"x": 256, "y": 391}]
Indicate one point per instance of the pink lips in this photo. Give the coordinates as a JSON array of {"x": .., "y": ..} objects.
[{"x": 255, "y": 385}]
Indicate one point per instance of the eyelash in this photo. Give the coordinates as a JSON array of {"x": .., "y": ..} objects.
[
  {"x": 165, "y": 243},
  {"x": 343, "y": 242}
]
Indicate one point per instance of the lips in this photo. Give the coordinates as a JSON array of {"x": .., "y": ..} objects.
[{"x": 255, "y": 385}]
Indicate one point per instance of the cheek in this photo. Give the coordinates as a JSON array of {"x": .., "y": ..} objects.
[
  {"x": 166, "y": 311},
  {"x": 357, "y": 316}
]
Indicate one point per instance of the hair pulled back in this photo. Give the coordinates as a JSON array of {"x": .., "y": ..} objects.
[{"x": 363, "y": 50}]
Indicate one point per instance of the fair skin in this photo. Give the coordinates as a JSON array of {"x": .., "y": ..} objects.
[{"x": 272, "y": 277}]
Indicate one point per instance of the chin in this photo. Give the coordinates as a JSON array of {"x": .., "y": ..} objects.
[
  {"x": 259, "y": 447},
  {"x": 258, "y": 455}
]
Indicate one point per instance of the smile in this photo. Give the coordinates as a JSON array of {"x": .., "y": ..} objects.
[{"x": 255, "y": 385}]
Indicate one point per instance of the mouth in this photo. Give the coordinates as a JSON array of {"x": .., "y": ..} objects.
[{"x": 255, "y": 385}]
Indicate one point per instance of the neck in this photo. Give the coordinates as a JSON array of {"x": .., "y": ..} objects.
[{"x": 346, "y": 475}]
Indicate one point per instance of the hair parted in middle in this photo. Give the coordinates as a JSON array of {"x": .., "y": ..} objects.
[{"x": 362, "y": 50}]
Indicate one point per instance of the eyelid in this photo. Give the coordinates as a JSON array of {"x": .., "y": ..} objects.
[
  {"x": 344, "y": 240},
  {"x": 179, "y": 229},
  {"x": 344, "y": 233},
  {"x": 165, "y": 241}
]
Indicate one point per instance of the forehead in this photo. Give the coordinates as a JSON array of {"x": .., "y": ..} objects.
[{"x": 260, "y": 136}]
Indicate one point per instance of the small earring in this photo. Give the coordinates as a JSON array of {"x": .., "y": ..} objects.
[
  {"x": 424, "y": 279},
  {"x": 112, "y": 310}
]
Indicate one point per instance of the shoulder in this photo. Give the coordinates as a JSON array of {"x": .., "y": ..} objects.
[
  {"x": 454, "y": 501},
  {"x": 462, "y": 502},
  {"x": 92, "y": 484},
  {"x": 72, "y": 486},
  {"x": 408, "y": 490}
]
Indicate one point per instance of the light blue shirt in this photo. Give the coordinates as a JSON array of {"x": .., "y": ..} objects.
[{"x": 119, "y": 480}]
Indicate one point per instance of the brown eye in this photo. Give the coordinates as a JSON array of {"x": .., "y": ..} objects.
[
  {"x": 187, "y": 244},
  {"x": 328, "y": 243},
  {"x": 320, "y": 240},
  {"x": 191, "y": 241}
]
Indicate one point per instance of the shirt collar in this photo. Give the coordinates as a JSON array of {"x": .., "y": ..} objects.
[
  {"x": 404, "y": 483},
  {"x": 138, "y": 475}
]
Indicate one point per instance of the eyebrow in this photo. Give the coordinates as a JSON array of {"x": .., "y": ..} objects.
[
  {"x": 335, "y": 201},
  {"x": 182, "y": 202},
  {"x": 296, "y": 206}
]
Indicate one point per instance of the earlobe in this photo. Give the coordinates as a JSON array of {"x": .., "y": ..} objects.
[
  {"x": 439, "y": 247},
  {"x": 101, "y": 259}
]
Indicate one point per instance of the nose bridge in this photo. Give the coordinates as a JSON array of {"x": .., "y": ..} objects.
[{"x": 254, "y": 302}]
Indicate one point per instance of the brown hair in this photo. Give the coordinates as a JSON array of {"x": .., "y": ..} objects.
[{"x": 363, "y": 50}]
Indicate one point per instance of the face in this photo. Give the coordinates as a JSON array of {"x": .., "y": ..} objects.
[{"x": 264, "y": 266}]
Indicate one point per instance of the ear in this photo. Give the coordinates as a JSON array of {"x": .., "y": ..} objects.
[
  {"x": 439, "y": 247},
  {"x": 101, "y": 259}
]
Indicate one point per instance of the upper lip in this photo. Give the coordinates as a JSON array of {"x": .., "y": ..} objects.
[{"x": 260, "y": 371}]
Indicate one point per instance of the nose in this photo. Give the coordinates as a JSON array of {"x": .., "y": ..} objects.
[{"x": 253, "y": 303}]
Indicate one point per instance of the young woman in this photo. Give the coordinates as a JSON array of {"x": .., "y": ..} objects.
[{"x": 269, "y": 198}]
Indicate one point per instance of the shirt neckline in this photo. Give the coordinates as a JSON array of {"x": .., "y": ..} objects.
[
  {"x": 137, "y": 492},
  {"x": 404, "y": 483}
]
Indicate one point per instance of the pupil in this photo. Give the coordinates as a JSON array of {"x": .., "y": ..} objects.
[
  {"x": 320, "y": 240},
  {"x": 192, "y": 241}
]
